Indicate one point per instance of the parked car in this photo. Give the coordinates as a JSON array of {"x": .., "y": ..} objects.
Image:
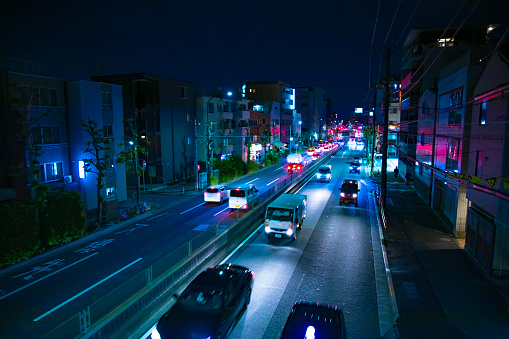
[
  {"x": 314, "y": 320},
  {"x": 210, "y": 306},
  {"x": 216, "y": 193}
]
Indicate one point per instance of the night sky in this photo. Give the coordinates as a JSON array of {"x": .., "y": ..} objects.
[{"x": 226, "y": 43}]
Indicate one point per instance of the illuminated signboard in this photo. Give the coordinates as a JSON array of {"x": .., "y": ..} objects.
[{"x": 358, "y": 110}]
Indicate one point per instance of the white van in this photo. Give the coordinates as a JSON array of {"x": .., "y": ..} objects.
[
  {"x": 216, "y": 193},
  {"x": 294, "y": 158},
  {"x": 243, "y": 197}
]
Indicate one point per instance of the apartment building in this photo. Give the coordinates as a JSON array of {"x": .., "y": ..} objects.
[
  {"x": 102, "y": 103},
  {"x": 313, "y": 105},
  {"x": 163, "y": 111},
  {"x": 19, "y": 81},
  {"x": 487, "y": 224}
]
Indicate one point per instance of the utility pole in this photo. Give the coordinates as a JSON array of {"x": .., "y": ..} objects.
[
  {"x": 386, "y": 128},
  {"x": 373, "y": 133},
  {"x": 431, "y": 179},
  {"x": 196, "y": 155}
]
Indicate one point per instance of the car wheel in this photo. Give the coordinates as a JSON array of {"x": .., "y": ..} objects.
[
  {"x": 356, "y": 205},
  {"x": 221, "y": 201}
]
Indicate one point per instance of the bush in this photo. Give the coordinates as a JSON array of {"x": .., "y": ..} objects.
[
  {"x": 272, "y": 158},
  {"x": 64, "y": 219},
  {"x": 252, "y": 167},
  {"x": 20, "y": 239},
  {"x": 214, "y": 180}
]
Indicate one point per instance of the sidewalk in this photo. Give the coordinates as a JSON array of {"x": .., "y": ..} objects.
[{"x": 440, "y": 292}]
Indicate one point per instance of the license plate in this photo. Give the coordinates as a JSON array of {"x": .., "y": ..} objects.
[{"x": 277, "y": 235}]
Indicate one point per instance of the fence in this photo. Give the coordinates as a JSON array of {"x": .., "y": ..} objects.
[{"x": 109, "y": 315}]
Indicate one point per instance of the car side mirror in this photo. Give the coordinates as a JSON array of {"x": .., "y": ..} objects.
[
  {"x": 175, "y": 295},
  {"x": 358, "y": 190}
]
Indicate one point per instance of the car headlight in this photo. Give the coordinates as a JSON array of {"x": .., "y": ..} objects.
[
  {"x": 155, "y": 334},
  {"x": 318, "y": 175},
  {"x": 328, "y": 175},
  {"x": 351, "y": 167},
  {"x": 289, "y": 232},
  {"x": 354, "y": 195},
  {"x": 342, "y": 194},
  {"x": 267, "y": 229}
]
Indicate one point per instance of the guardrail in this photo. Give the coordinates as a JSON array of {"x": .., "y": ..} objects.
[{"x": 109, "y": 315}]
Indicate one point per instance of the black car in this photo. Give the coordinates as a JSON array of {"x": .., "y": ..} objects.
[
  {"x": 210, "y": 306},
  {"x": 355, "y": 167},
  {"x": 314, "y": 320}
]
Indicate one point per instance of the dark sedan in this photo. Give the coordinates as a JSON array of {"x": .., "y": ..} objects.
[
  {"x": 210, "y": 306},
  {"x": 314, "y": 320}
]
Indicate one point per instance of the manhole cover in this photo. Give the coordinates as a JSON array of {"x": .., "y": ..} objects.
[{"x": 445, "y": 239}]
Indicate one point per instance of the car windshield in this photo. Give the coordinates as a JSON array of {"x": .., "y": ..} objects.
[
  {"x": 279, "y": 214},
  {"x": 202, "y": 297},
  {"x": 238, "y": 193},
  {"x": 212, "y": 190},
  {"x": 354, "y": 163},
  {"x": 349, "y": 188},
  {"x": 324, "y": 170}
]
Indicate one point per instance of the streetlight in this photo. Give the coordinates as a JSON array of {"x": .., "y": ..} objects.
[{"x": 137, "y": 177}]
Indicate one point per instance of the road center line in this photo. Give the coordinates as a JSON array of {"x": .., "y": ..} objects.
[
  {"x": 273, "y": 181},
  {"x": 49, "y": 275},
  {"x": 157, "y": 216},
  {"x": 252, "y": 181},
  {"x": 277, "y": 169},
  {"x": 85, "y": 291},
  {"x": 192, "y": 208},
  {"x": 221, "y": 211}
]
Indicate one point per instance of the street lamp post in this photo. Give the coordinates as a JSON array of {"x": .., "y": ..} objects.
[{"x": 137, "y": 177}]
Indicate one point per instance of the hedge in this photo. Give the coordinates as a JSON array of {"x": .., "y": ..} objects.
[
  {"x": 19, "y": 239},
  {"x": 64, "y": 218}
]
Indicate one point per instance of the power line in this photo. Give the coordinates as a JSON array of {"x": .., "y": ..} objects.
[{"x": 404, "y": 29}]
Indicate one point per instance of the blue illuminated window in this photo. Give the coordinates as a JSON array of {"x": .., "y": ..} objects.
[{"x": 482, "y": 116}]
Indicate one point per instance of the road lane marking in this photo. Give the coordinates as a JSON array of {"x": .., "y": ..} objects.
[
  {"x": 221, "y": 211},
  {"x": 49, "y": 275},
  {"x": 273, "y": 181},
  {"x": 252, "y": 181},
  {"x": 85, "y": 291},
  {"x": 94, "y": 246},
  {"x": 157, "y": 216},
  {"x": 129, "y": 231},
  {"x": 47, "y": 266},
  {"x": 277, "y": 169},
  {"x": 192, "y": 208}
]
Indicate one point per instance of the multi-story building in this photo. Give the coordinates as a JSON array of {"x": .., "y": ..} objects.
[
  {"x": 313, "y": 105},
  {"x": 487, "y": 224},
  {"x": 425, "y": 53},
  {"x": 101, "y": 103},
  {"x": 281, "y": 93},
  {"x": 19, "y": 80},
  {"x": 163, "y": 111},
  {"x": 219, "y": 114}
]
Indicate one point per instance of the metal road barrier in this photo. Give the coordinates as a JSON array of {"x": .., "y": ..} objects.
[{"x": 111, "y": 315}]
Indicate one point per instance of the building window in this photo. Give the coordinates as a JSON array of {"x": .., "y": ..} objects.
[
  {"x": 111, "y": 191},
  {"x": 452, "y": 155},
  {"x": 184, "y": 92},
  {"x": 482, "y": 115},
  {"x": 423, "y": 139},
  {"x": 211, "y": 107},
  {"x": 110, "y": 164},
  {"x": 53, "y": 97},
  {"x": 45, "y": 135},
  {"x": 108, "y": 131},
  {"x": 454, "y": 118},
  {"x": 50, "y": 172},
  {"x": 44, "y": 93},
  {"x": 106, "y": 98}
]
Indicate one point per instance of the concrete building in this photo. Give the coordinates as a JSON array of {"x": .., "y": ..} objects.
[
  {"x": 101, "y": 103},
  {"x": 312, "y": 103},
  {"x": 425, "y": 53},
  {"x": 281, "y": 93},
  {"x": 18, "y": 79},
  {"x": 164, "y": 112},
  {"x": 487, "y": 224}
]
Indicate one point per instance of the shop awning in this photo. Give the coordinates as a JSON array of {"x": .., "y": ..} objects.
[{"x": 278, "y": 144}]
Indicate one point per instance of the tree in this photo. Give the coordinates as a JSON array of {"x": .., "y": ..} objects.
[
  {"x": 130, "y": 154},
  {"x": 248, "y": 142},
  {"x": 97, "y": 147},
  {"x": 266, "y": 138},
  {"x": 23, "y": 100}
]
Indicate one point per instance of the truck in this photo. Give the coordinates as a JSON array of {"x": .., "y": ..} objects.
[{"x": 285, "y": 215}]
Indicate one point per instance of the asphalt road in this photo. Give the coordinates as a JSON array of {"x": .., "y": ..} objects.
[{"x": 38, "y": 296}]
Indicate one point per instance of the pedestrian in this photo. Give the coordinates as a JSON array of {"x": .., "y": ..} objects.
[
  {"x": 407, "y": 178},
  {"x": 396, "y": 172}
]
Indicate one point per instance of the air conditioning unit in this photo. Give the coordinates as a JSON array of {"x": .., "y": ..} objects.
[{"x": 68, "y": 179}]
